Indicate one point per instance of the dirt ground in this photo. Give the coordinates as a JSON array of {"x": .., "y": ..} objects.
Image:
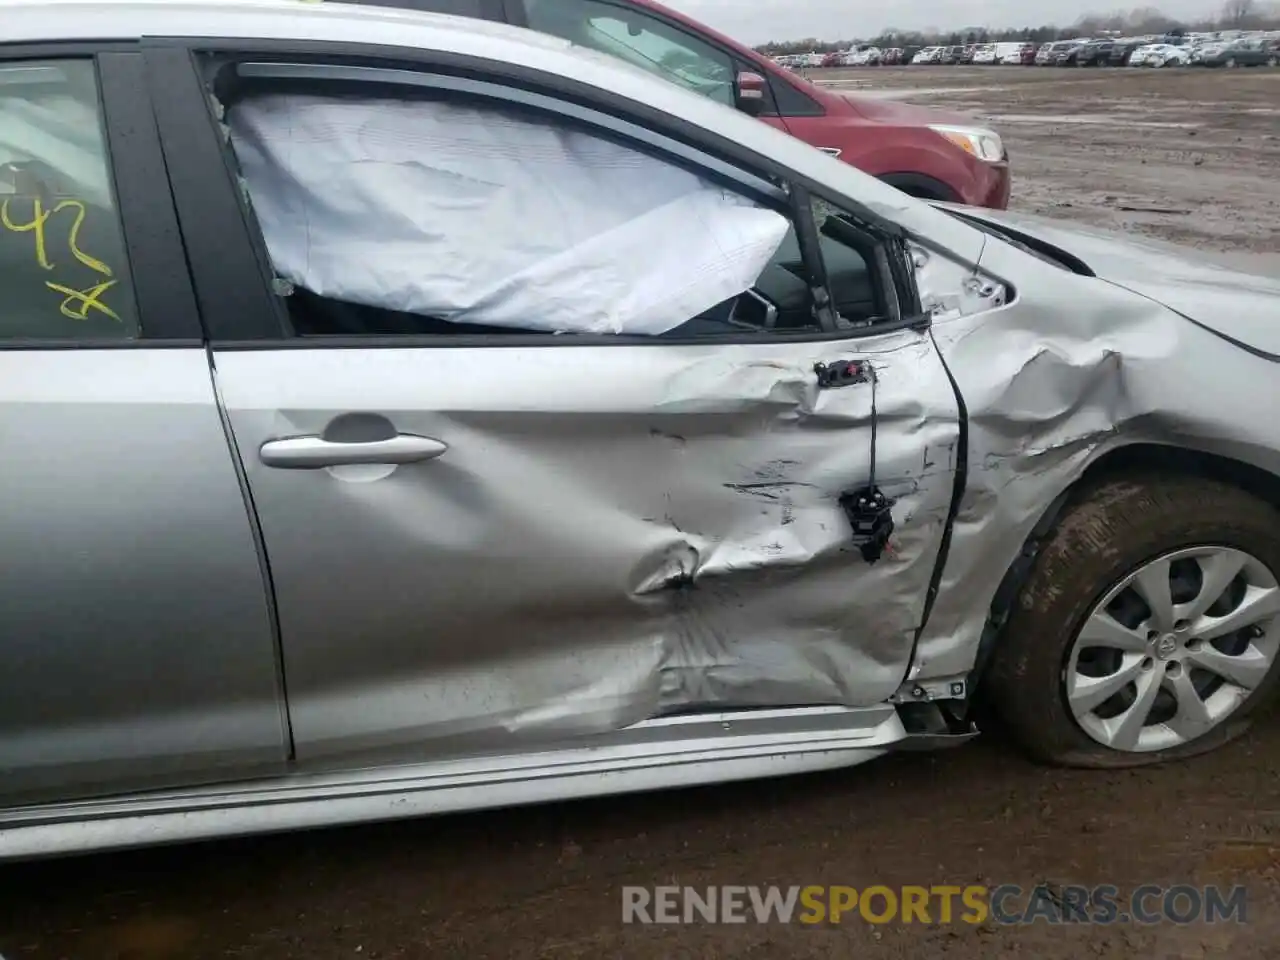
[
  {"x": 1199, "y": 153},
  {"x": 1190, "y": 156}
]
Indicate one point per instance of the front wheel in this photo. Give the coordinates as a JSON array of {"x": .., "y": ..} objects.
[{"x": 1149, "y": 628}]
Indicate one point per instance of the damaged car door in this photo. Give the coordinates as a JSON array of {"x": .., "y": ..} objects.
[{"x": 554, "y": 423}]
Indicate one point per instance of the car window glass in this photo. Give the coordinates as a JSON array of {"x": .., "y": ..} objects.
[
  {"x": 848, "y": 256},
  {"x": 642, "y": 40},
  {"x": 62, "y": 254},
  {"x": 792, "y": 102},
  {"x": 770, "y": 106},
  {"x": 423, "y": 215}
]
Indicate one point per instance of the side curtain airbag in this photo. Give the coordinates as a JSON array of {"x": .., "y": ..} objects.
[{"x": 482, "y": 217}]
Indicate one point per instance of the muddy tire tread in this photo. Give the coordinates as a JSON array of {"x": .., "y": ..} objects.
[{"x": 1107, "y": 530}]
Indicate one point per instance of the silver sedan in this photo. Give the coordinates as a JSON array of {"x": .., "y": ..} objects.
[{"x": 403, "y": 414}]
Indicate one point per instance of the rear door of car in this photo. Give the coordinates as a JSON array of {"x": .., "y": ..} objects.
[
  {"x": 136, "y": 642},
  {"x": 484, "y": 540}
]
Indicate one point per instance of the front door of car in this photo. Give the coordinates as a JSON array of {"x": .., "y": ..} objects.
[
  {"x": 485, "y": 535},
  {"x": 136, "y": 644}
]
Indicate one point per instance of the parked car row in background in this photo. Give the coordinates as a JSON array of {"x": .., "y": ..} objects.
[
  {"x": 1245, "y": 52},
  {"x": 1240, "y": 49},
  {"x": 862, "y": 55}
]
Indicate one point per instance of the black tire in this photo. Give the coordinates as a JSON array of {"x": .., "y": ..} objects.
[{"x": 1107, "y": 532}]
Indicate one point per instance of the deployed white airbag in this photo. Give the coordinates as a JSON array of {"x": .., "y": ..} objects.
[{"x": 478, "y": 216}]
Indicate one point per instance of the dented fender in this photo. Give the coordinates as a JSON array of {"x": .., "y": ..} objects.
[{"x": 1071, "y": 369}]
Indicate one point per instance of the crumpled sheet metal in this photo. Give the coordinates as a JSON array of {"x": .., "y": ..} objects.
[
  {"x": 695, "y": 553},
  {"x": 1070, "y": 370},
  {"x": 948, "y": 289}
]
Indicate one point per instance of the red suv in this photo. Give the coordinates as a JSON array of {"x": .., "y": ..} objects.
[{"x": 927, "y": 153}]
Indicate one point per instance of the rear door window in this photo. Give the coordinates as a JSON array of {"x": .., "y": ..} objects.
[{"x": 63, "y": 264}]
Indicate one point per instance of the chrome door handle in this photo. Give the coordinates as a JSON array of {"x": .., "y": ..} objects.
[{"x": 313, "y": 453}]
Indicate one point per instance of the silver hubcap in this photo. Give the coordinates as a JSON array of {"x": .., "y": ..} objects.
[{"x": 1174, "y": 648}]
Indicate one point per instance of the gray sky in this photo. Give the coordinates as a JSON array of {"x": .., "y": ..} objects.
[{"x": 755, "y": 21}]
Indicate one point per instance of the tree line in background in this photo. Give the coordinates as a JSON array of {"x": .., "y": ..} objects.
[{"x": 1141, "y": 21}]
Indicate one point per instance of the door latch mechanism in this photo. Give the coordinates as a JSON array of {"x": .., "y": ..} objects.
[
  {"x": 870, "y": 514},
  {"x": 842, "y": 373}
]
